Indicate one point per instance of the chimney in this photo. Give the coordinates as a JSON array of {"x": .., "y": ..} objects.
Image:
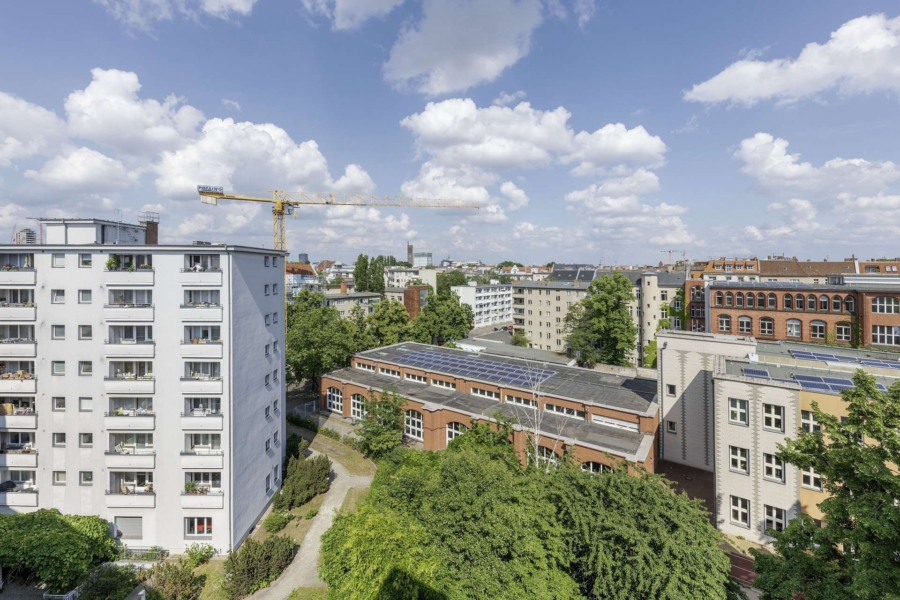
[
  {"x": 343, "y": 287},
  {"x": 150, "y": 220}
]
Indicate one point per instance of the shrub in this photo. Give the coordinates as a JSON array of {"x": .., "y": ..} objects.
[
  {"x": 109, "y": 582},
  {"x": 175, "y": 581},
  {"x": 296, "y": 446},
  {"x": 330, "y": 433},
  {"x": 304, "y": 422},
  {"x": 306, "y": 479},
  {"x": 255, "y": 565},
  {"x": 276, "y": 521},
  {"x": 311, "y": 513},
  {"x": 199, "y": 554}
]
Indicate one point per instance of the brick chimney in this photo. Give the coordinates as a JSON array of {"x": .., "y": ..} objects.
[
  {"x": 343, "y": 287},
  {"x": 150, "y": 220}
]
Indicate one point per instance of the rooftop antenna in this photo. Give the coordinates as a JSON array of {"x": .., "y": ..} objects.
[{"x": 119, "y": 224}]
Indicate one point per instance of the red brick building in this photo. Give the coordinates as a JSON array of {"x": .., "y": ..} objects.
[{"x": 604, "y": 421}]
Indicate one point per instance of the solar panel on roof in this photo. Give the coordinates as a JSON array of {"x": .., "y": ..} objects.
[
  {"x": 756, "y": 373},
  {"x": 812, "y": 385},
  {"x": 839, "y": 388},
  {"x": 475, "y": 367},
  {"x": 837, "y": 381},
  {"x": 880, "y": 387},
  {"x": 808, "y": 378}
]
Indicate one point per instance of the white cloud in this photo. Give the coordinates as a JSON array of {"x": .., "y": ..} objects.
[
  {"x": 614, "y": 143},
  {"x": 83, "y": 169},
  {"x": 143, "y": 14},
  {"x": 505, "y": 99},
  {"x": 861, "y": 57},
  {"x": 796, "y": 217},
  {"x": 517, "y": 198},
  {"x": 27, "y": 130},
  {"x": 12, "y": 213},
  {"x": 549, "y": 237},
  {"x": 584, "y": 10},
  {"x": 690, "y": 126},
  {"x": 231, "y": 104},
  {"x": 464, "y": 183},
  {"x": 108, "y": 111},
  {"x": 461, "y": 43},
  {"x": 350, "y": 14},
  {"x": 359, "y": 227}
]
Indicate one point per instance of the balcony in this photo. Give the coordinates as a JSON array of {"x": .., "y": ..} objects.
[
  {"x": 131, "y": 500},
  {"x": 17, "y": 312},
  {"x": 128, "y": 312},
  {"x": 18, "y": 277},
  {"x": 129, "y": 421},
  {"x": 140, "y": 458},
  {"x": 202, "y": 349},
  {"x": 19, "y": 498},
  {"x": 209, "y": 499},
  {"x": 201, "y": 386},
  {"x": 203, "y": 459},
  {"x": 130, "y": 349},
  {"x": 20, "y": 420},
  {"x": 122, "y": 386},
  {"x": 17, "y": 384},
  {"x": 126, "y": 277},
  {"x": 200, "y": 421},
  {"x": 18, "y": 348},
  {"x": 18, "y": 459},
  {"x": 204, "y": 278},
  {"x": 200, "y": 313}
]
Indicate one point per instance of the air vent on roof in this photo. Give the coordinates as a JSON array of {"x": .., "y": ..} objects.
[{"x": 199, "y": 243}]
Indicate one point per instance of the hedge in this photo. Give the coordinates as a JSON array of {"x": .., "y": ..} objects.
[{"x": 255, "y": 565}]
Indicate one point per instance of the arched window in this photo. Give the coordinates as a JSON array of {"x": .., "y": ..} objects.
[
  {"x": 719, "y": 298},
  {"x": 335, "y": 399},
  {"x": 760, "y": 300},
  {"x": 454, "y": 430},
  {"x": 773, "y": 301},
  {"x": 836, "y": 304},
  {"x": 842, "y": 332},
  {"x": 724, "y": 323},
  {"x": 811, "y": 302},
  {"x": 357, "y": 406},
  {"x": 751, "y": 300},
  {"x": 745, "y": 325},
  {"x": 886, "y": 305},
  {"x": 412, "y": 424},
  {"x": 849, "y": 304},
  {"x": 766, "y": 326},
  {"x": 547, "y": 457},
  {"x": 801, "y": 301},
  {"x": 729, "y": 299},
  {"x": 794, "y": 329},
  {"x": 595, "y": 467},
  {"x": 817, "y": 330},
  {"x": 823, "y": 303},
  {"x": 739, "y": 299},
  {"x": 788, "y": 301}
]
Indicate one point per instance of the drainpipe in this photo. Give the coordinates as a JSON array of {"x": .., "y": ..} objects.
[{"x": 662, "y": 397}]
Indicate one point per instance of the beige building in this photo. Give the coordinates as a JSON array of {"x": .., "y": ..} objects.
[
  {"x": 345, "y": 303},
  {"x": 400, "y": 277}
]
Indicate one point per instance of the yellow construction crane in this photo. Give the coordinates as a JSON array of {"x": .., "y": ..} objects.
[{"x": 286, "y": 201}]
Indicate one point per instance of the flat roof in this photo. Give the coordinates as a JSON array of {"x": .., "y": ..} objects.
[
  {"x": 629, "y": 394},
  {"x": 353, "y": 295},
  {"x": 504, "y": 349},
  {"x": 120, "y": 248},
  {"x": 629, "y": 444},
  {"x": 783, "y": 373}
]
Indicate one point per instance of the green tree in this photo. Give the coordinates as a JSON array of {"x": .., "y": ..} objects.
[
  {"x": 388, "y": 323},
  {"x": 600, "y": 327},
  {"x": 376, "y": 275},
  {"x": 681, "y": 313},
  {"x": 360, "y": 333},
  {"x": 361, "y": 273},
  {"x": 854, "y": 554},
  {"x": 443, "y": 317},
  {"x": 110, "y": 582},
  {"x": 551, "y": 264},
  {"x": 509, "y": 263},
  {"x": 381, "y": 428},
  {"x": 448, "y": 279},
  {"x": 650, "y": 349},
  {"x": 520, "y": 339},
  {"x": 318, "y": 339}
]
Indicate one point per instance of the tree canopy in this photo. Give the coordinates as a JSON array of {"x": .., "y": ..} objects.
[
  {"x": 318, "y": 340},
  {"x": 600, "y": 327},
  {"x": 444, "y": 317},
  {"x": 520, "y": 339},
  {"x": 361, "y": 273},
  {"x": 853, "y": 555},
  {"x": 448, "y": 279},
  {"x": 375, "y": 277},
  {"x": 388, "y": 323},
  {"x": 509, "y": 263}
]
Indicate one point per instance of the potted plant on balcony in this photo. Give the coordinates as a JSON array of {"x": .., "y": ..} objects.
[
  {"x": 131, "y": 268},
  {"x": 145, "y": 266},
  {"x": 191, "y": 487},
  {"x": 113, "y": 263}
]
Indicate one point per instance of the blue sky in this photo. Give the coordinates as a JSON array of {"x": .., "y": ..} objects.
[{"x": 587, "y": 131}]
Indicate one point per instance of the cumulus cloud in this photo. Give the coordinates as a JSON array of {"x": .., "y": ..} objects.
[
  {"x": 83, "y": 169},
  {"x": 144, "y": 14},
  {"x": 461, "y": 43},
  {"x": 796, "y": 217},
  {"x": 614, "y": 143},
  {"x": 550, "y": 237},
  {"x": 350, "y": 14},
  {"x": 27, "y": 130},
  {"x": 860, "y": 57},
  {"x": 11, "y": 213},
  {"x": 517, "y": 198},
  {"x": 359, "y": 227},
  {"x": 584, "y": 11},
  {"x": 505, "y": 99},
  {"x": 463, "y": 183}
]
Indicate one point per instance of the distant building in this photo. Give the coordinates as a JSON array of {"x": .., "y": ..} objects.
[
  {"x": 299, "y": 276},
  {"x": 422, "y": 259},
  {"x": 409, "y": 253},
  {"x": 303, "y": 257},
  {"x": 491, "y": 304},
  {"x": 402, "y": 277},
  {"x": 413, "y": 298},
  {"x": 345, "y": 303},
  {"x": 26, "y": 236}
]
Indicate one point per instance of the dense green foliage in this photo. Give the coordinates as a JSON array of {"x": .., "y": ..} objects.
[
  {"x": 109, "y": 582},
  {"x": 381, "y": 428},
  {"x": 174, "y": 581},
  {"x": 600, "y": 328},
  {"x": 255, "y": 565},
  {"x": 376, "y": 275},
  {"x": 509, "y": 263},
  {"x": 361, "y": 273},
  {"x": 443, "y": 318},
  {"x": 58, "y": 549},
  {"x": 296, "y": 446},
  {"x": 276, "y": 521},
  {"x": 318, "y": 339},
  {"x": 448, "y": 279},
  {"x": 199, "y": 554},
  {"x": 388, "y": 323},
  {"x": 306, "y": 478},
  {"x": 854, "y": 555},
  {"x": 520, "y": 339},
  {"x": 471, "y": 523}
]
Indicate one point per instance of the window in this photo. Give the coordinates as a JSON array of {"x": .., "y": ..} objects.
[
  {"x": 676, "y": 323},
  {"x": 85, "y": 367},
  {"x": 751, "y": 301},
  {"x": 275, "y": 375},
  {"x": 86, "y": 477},
  {"x": 810, "y": 302},
  {"x": 719, "y": 298},
  {"x": 85, "y": 404},
  {"x": 793, "y": 328},
  {"x": 564, "y": 410},
  {"x": 357, "y": 406},
  {"x": 886, "y": 335},
  {"x": 739, "y": 299},
  {"x": 842, "y": 332},
  {"x": 267, "y": 289},
  {"x": 335, "y": 399},
  {"x": 59, "y": 440},
  {"x": 521, "y": 401},
  {"x": 443, "y": 384},
  {"x": 266, "y": 412},
  {"x": 267, "y": 320},
  {"x": 85, "y": 440},
  {"x": 766, "y": 326},
  {"x": 85, "y": 332},
  {"x": 85, "y": 260},
  {"x": 58, "y": 296},
  {"x": 267, "y": 381},
  {"x": 454, "y": 430},
  {"x": 595, "y": 467},
  {"x": 389, "y": 372},
  {"x": 740, "y": 511},
  {"x": 773, "y": 417},
  {"x": 198, "y": 526},
  {"x": 130, "y": 528},
  {"x": 265, "y": 261},
  {"x": 59, "y": 403},
  {"x": 59, "y": 332},
  {"x": 275, "y": 438},
  {"x": 800, "y": 301},
  {"x": 775, "y": 518},
  {"x": 817, "y": 330},
  {"x": 485, "y": 393},
  {"x": 849, "y": 304},
  {"x": 745, "y": 325},
  {"x": 738, "y": 411},
  {"x": 724, "y": 323},
  {"x": 274, "y": 317},
  {"x": 773, "y": 468},
  {"x": 268, "y": 445},
  {"x": 671, "y": 427},
  {"x": 740, "y": 459},
  {"x": 275, "y": 346},
  {"x": 546, "y": 457},
  {"x": 268, "y": 483},
  {"x": 59, "y": 367},
  {"x": 412, "y": 424},
  {"x": 670, "y": 389},
  {"x": 275, "y": 405},
  {"x": 663, "y": 314},
  {"x": 365, "y": 367},
  {"x": 267, "y": 349},
  {"x": 808, "y": 421},
  {"x": 885, "y": 305},
  {"x": 812, "y": 480},
  {"x": 84, "y": 296},
  {"x": 59, "y": 260},
  {"x": 772, "y": 301},
  {"x": 760, "y": 300},
  {"x": 729, "y": 299},
  {"x": 59, "y": 478},
  {"x": 788, "y": 302},
  {"x": 836, "y": 304},
  {"x": 274, "y": 289},
  {"x": 663, "y": 295}
]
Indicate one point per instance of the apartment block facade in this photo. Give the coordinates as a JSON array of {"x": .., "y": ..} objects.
[
  {"x": 142, "y": 383},
  {"x": 402, "y": 277},
  {"x": 491, "y": 304},
  {"x": 345, "y": 303}
]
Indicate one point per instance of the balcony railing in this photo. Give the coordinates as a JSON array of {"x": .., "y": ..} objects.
[
  {"x": 203, "y": 498},
  {"x": 128, "y": 312},
  {"x": 17, "y": 276},
  {"x": 125, "y": 384},
  {"x": 198, "y": 348},
  {"x": 18, "y": 348},
  {"x": 130, "y": 498},
  {"x": 201, "y": 312},
  {"x": 129, "y": 348},
  {"x": 130, "y": 420},
  {"x": 131, "y": 458},
  {"x": 198, "y": 458},
  {"x": 201, "y": 421},
  {"x": 201, "y": 385},
  {"x": 21, "y": 418},
  {"x": 141, "y": 275},
  {"x": 26, "y": 498},
  {"x": 12, "y": 458}
]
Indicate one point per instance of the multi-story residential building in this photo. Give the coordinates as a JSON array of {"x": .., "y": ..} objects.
[
  {"x": 400, "y": 277},
  {"x": 412, "y": 297},
  {"x": 878, "y": 267},
  {"x": 422, "y": 260},
  {"x": 345, "y": 303},
  {"x": 301, "y": 276},
  {"x": 728, "y": 402},
  {"x": 695, "y": 296},
  {"x": 605, "y": 421},
  {"x": 732, "y": 269},
  {"x": 26, "y": 236},
  {"x": 142, "y": 383},
  {"x": 491, "y": 304}
]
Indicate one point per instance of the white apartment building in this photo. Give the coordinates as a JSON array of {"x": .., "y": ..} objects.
[
  {"x": 492, "y": 304},
  {"x": 142, "y": 383},
  {"x": 400, "y": 277}
]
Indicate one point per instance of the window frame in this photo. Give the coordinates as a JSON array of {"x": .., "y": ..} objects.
[
  {"x": 772, "y": 466},
  {"x": 742, "y": 409},
  {"x": 773, "y": 416},
  {"x": 741, "y": 508},
  {"x": 738, "y": 460}
]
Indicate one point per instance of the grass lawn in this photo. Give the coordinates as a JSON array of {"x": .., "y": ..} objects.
[
  {"x": 214, "y": 571},
  {"x": 354, "y": 496},
  {"x": 307, "y": 593},
  {"x": 298, "y": 526},
  {"x": 353, "y": 461}
]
